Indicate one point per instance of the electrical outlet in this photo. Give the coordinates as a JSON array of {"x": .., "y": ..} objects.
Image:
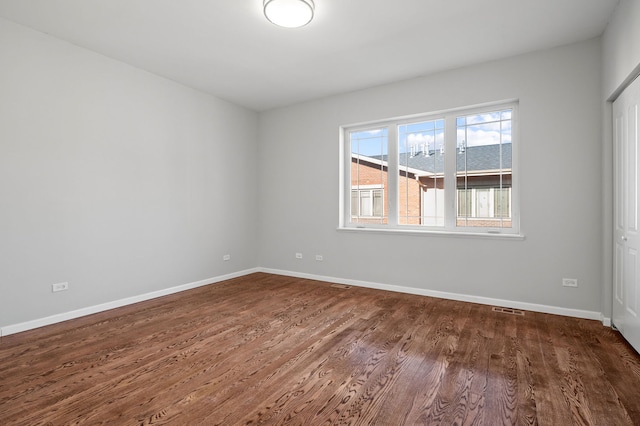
[
  {"x": 226, "y": 257},
  {"x": 319, "y": 258},
  {"x": 59, "y": 287},
  {"x": 570, "y": 282},
  {"x": 298, "y": 255}
]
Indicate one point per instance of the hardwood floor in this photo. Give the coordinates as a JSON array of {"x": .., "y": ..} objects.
[{"x": 266, "y": 349}]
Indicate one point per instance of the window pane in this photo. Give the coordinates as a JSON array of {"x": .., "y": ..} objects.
[
  {"x": 502, "y": 202},
  {"x": 483, "y": 208},
  {"x": 421, "y": 168},
  {"x": 369, "y": 156},
  {"x": 354, "y": 203},
  {"x": 483, "y": 164},
  {"x": 464, "y": 203},
  {"x": 378, "y": 200},
  {"x": 365, "y": 204}
]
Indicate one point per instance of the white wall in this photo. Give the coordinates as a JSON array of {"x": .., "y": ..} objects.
[
  {"x": 561, "y": 177},
  {"x": 621, "y": 46},
  {"x": 114, "y": 180}
]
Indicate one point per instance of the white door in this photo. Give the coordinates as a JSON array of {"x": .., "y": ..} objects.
[
  {"x": 626, "y": 286},
  {"x": 482, "y": 199}
]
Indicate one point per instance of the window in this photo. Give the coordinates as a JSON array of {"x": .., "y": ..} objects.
[
  {"x": 478, "y": 203},
  {"x": 367, "y": 202},
  {"x": 447, "y": 172}
]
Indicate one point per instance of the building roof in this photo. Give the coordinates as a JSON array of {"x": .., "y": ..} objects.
[{"x": 479, "y": 159}]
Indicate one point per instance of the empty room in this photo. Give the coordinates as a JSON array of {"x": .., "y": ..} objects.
[{"x": 314, "y": 212}]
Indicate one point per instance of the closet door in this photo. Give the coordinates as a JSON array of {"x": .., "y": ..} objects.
[{"x": 626, "y": 286}]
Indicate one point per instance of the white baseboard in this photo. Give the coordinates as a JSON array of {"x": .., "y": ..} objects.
[
  {"x": 30, "y": 325},
  {"x": 577, "y": 313},
  {"x": 53, "y": 319}
]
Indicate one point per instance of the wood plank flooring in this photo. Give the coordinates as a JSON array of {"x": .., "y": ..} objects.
[{"x": 267, "y": 349}]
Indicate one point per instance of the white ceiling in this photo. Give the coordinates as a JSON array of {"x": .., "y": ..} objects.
[{"x": 227, "y": 47}]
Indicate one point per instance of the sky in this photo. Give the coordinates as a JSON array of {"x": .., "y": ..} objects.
[{"x": 489, "y": 128}]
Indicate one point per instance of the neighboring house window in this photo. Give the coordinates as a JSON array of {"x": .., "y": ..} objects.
[
  {"x": 451, "y": 171},
  {"x": 477, "y": 203},
  {"x": 367, "y": 201}
]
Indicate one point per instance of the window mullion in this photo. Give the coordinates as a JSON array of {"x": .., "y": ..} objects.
[
  {"x": 393, "y": 173},
  {"x": 450, "y": 185}
]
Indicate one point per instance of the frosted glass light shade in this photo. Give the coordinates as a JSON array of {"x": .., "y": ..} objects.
[{"x": 289, "y": 13}]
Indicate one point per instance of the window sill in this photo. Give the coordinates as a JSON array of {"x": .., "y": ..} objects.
[{"x": 434, "y": 233}]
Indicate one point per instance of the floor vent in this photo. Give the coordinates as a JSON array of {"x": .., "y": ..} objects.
[
  {"x": 342, "y": 286},
  {"x": 508, "y": 311}
]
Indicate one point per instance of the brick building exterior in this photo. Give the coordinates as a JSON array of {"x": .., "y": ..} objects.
[{"x": 483, "y": 196}]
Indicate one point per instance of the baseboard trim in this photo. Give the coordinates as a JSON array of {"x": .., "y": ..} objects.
[
  {"x": 547, "y": 309},
  {"x": 54, "y": 319}
]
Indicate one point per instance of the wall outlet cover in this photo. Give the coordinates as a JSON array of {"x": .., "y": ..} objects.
[{"x": 59, "y": 287}]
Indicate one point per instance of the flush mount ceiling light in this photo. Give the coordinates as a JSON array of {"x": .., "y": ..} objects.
[{"x": 289, "y": 13}]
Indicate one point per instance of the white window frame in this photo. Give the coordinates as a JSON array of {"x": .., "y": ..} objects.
[{"x": 450, "y": 227}]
